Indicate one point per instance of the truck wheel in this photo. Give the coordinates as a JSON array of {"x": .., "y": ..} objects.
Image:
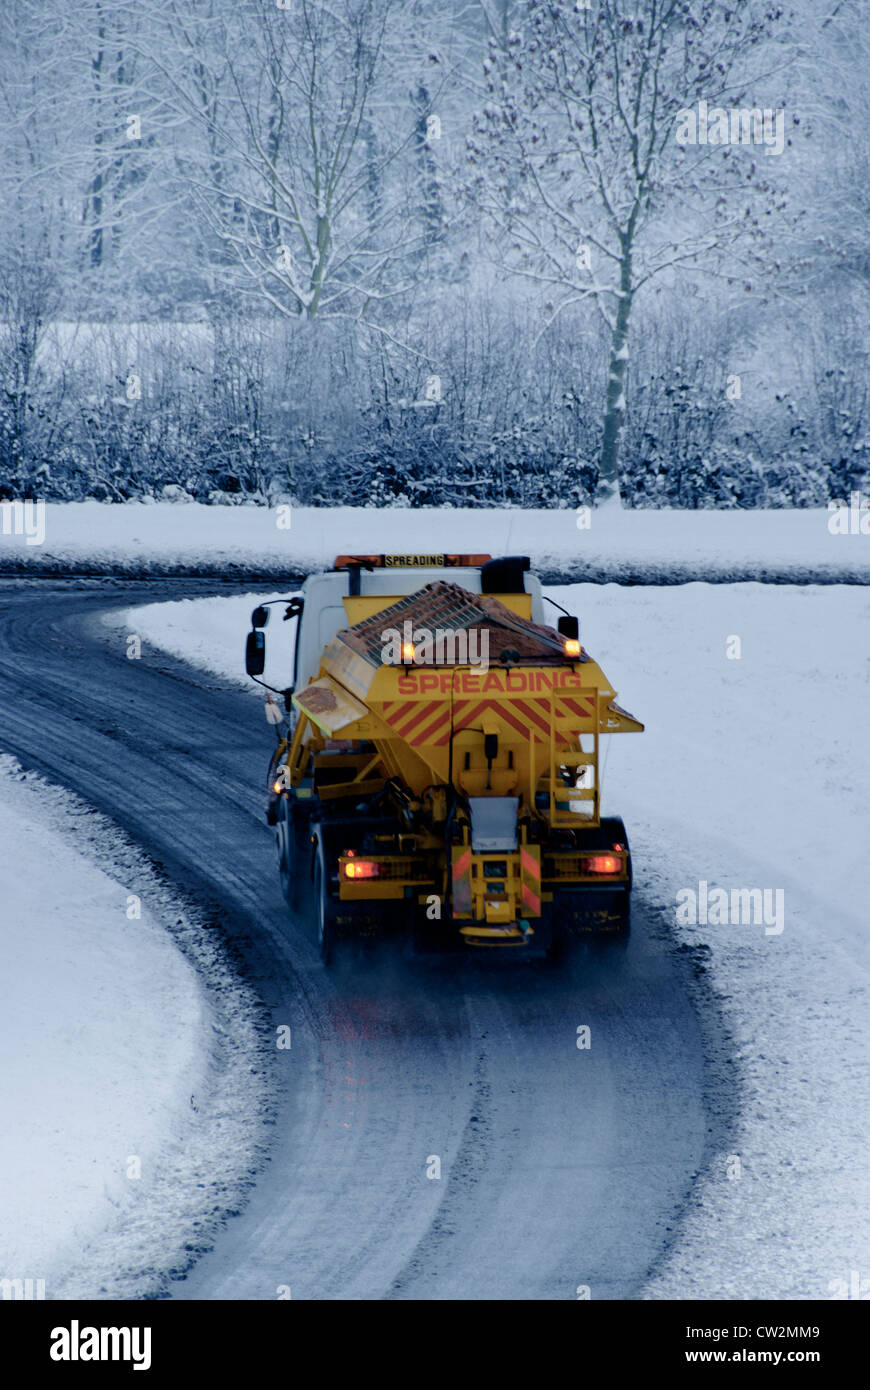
[
  {"x": 324, "y": 912},
  {"x": 558, "y": 947},
  {"x": 291, "y": 841},
  {"x": 283, "y": 831}
]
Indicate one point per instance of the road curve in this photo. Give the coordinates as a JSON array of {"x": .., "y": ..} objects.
[{"x": 560, "y": 1167}]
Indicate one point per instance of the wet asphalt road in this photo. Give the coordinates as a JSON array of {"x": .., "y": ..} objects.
[{"x": 559, "y": 1167}]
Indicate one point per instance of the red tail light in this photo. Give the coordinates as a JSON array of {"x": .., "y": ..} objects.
[
  {"x": 362, "y": 868},
  {"x": 602, "y": 864}
]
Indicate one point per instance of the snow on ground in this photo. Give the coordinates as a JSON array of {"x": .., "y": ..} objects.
[
  {"x": 752, "y": 773},
  {"x": 210, "y": 633},
  {"x": 128, "y": 1122},
  {"x": 648, "y": 546}
]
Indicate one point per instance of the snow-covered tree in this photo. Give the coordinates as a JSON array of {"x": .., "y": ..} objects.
[
  {"x": 586, "y": 159},
  {"x": 833, "y": 60},
  {"x": 82, "y": 140},
  {"x": 298, "y": 142}
]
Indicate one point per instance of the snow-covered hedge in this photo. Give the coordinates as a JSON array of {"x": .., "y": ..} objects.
[{"x": 492, "y": 413}]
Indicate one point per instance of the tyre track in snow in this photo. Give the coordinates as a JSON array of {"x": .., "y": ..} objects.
[{"x": 559, "y": 1167}]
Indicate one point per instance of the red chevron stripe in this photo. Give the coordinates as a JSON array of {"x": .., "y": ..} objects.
[
  {"x": 425, "y": 734},
  {"x": 576, "y": 708},
  {"x": 422, "y": 710},
  {"x": 530, "y": 863},
  {"x": 469, "y": 714},
  {"x": 525, "y": 707},
  {"x": 399, "y": 711},
  {"x": 513, "y": 712},
  {"x": 510, "y": 716},
  {"x": 531, "y": 900},
  {"x": 518, "y": 713}
]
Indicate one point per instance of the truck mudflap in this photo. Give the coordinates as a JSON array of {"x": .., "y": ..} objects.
[{"x": 583, "y": 910}]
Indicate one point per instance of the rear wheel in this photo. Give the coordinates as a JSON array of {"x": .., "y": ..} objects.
[
  {"x": 282, "y": 847},
  {"x": 324, "y": 912},
  {"x": 292, "y": 843},
  {"x": 558, "y": 947}
]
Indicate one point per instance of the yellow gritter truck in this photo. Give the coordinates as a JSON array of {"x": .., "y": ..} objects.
[{"x": 439, "y": 773}]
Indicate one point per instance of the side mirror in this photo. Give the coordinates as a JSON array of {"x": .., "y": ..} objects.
[
  {"x": 259, "y": 617},
  {"x": 569, "y": 627},
  {"x": 255, "y": 653}
]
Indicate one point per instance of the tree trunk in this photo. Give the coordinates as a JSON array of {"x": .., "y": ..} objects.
[
  {"x": 94, "y": 204},
  {"x": 614, "y": 414},
  {"x": 322, "y": 244}
]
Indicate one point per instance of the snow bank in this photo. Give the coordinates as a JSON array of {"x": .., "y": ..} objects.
[
  {"x": 642, "y": 546},
  {"x": 210, "y": 633},
  {"x": 752, "y": 773},
  {"x": 115, "y": 1130}
]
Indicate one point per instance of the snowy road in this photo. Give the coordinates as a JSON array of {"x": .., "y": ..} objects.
[{"x": 560, "y": 1167}]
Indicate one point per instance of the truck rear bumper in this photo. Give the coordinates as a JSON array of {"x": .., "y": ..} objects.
[{"x": 506, "y": 935}]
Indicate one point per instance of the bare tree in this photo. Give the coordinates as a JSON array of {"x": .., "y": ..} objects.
[
  {"x": 295, "y": 147},
  {"x": 578, "y": 159},
  {"x": 834, "y": 67}
]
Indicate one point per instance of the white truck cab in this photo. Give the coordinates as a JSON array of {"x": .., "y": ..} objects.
[{"x": 325, "y": 613}]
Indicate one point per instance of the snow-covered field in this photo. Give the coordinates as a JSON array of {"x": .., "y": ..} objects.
[
  {"x": 652, "y": 546},
  {"x": 752, "y": 773},
  {"x": 129, "y": 1117}
]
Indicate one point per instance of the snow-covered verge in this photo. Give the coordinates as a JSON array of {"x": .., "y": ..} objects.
[
  {"x": 210, "y": 633},
  {"x": 640, "y": 546},
  {"x": 751, "y": 773},
  {"x": 133, "y": 1089}
]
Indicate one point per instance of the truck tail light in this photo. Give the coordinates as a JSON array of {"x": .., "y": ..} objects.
[
  {"x": 362, "y": 868},
  {"x": 602, "y": 864}
]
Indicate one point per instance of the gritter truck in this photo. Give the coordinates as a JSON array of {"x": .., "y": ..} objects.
[{"x": 437, "y": 765}]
